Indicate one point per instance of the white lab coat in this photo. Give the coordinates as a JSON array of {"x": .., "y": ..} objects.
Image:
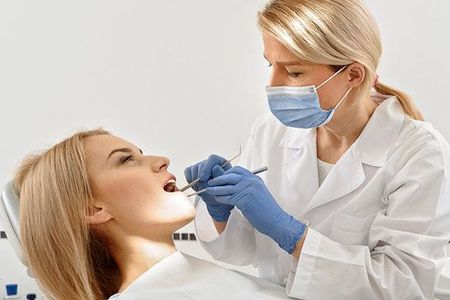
[
  {"x": 182, "y": 277},
  {"x": 378, "y": 225}
]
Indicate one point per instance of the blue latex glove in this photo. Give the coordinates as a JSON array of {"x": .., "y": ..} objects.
[
  {"x": 206, "y": 170},
  {"x": 246, "y": 191}
]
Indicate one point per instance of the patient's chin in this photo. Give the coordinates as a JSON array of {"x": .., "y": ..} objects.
[
  {"x": 184, "y": 221},
  {"x": 181, "y": 208},
  {"x": 173, "y": 220}
]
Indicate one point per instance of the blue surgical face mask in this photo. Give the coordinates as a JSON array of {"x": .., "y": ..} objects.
[{"x": 299, "y": 107}]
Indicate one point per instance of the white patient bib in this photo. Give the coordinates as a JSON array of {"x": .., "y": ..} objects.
[{"x": 181, "y": 276}]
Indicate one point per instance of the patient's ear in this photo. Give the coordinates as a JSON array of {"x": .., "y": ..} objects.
[{"x": 99, "y": 215}]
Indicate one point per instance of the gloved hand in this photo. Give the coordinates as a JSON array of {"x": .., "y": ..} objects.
[
  {"x": 206, "y": 170},
  {"x": 247, "y": 191}
]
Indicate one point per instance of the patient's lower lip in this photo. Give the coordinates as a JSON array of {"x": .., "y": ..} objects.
[{"x": 171, "y": 188}]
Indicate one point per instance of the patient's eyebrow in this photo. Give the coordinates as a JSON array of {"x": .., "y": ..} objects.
[{"x": 127, "y": 150}]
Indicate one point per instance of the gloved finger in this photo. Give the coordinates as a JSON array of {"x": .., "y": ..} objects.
[
  {"x": 191, "y": 173},
  {"x": 226, "y": 179},
  {"x": 208, "y": 199},
  {"x": 221, "y": 190},
  {"x": 217, "y": 159},
  {"x": 224, "y": 199},
  {"x": 205, "y": 171},
  {"x": 188, "y": 174},
  {"x": 227, "y": 166},
  {"x": 217, "y": 171},
  {"x": 238, "y": 170}
]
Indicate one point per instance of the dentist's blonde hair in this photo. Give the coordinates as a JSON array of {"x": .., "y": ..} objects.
[
  {"x": 331, "y": 32},
  {"x": 67, "y": 258}
]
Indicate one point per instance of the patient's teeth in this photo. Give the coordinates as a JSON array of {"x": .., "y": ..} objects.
[{"x": 170, "y": 186}]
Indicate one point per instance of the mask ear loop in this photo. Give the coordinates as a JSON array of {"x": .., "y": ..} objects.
[
  {"x": 331, "y": 77},
  {"x": 343, "y": 98}
]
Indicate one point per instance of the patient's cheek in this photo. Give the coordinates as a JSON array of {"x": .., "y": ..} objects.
[{"x": 131, "y": 187}]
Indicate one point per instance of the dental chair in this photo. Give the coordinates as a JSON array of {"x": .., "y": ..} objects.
[{"x": 9, "y": 217}]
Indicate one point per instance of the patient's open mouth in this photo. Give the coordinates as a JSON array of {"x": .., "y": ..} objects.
[{"x": 171, "y": 186}]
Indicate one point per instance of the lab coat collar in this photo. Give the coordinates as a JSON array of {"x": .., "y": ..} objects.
[
  {"x": 295, "y": 138},
  {"x": 300, "y": 167},
  {"x": 346, "y": 176},
  {"x": 372, "y": 148},
  {"x": 378, "y": 135},
  {"x": 374, "y": 143}
]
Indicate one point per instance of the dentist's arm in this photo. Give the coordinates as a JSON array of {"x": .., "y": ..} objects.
[
  {"x": 299, "y": 246},
  {"x": 220, "y": 226},
  {"x": 239, "y": 187}
]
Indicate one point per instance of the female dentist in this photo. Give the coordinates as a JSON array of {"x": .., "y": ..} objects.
[{"x": 355, "y": 204}]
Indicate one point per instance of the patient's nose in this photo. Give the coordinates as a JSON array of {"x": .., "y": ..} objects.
[{"x": 160, "y": 163}]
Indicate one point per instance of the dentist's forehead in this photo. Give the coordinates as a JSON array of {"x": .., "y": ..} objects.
[{"x": 276, "y": 53}]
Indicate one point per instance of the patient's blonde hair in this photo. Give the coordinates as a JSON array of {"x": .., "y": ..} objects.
[
  {"x": 331, "y": 32},
  {"x": 67, "y": 258}
]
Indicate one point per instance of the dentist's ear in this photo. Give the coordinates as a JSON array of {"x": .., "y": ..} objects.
[
  {"x": 99, "y": 215},
  {"x": 356, "y": 74}
]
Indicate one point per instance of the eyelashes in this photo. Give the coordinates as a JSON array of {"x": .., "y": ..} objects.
[
  {"x": 125, "y": 159},
  {"x": 291, "y": 75},
  {"x": 294, "y": 75}
]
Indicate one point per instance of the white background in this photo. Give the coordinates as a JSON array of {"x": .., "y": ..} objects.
[{"x": 178, "y": 78}]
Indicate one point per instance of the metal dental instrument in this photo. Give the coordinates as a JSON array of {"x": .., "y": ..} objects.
[
  {"x": 222, "y": 165},
  {"x": 257, "y": 171}
]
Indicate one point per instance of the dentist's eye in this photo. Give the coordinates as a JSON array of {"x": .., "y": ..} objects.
[
  {"x": 126, "y": 159},
  {"x": 294, "y": 75}
]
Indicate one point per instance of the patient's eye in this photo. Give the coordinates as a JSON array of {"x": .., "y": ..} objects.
[{"x": 125, "y": 159}]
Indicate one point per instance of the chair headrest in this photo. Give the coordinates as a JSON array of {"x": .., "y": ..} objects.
[{"x": 9, "y": 216}]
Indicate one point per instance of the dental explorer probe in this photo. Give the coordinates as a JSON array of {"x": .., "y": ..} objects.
[
  {"x": 257, "y": 171},
  {"x": 222, "y": 165}
]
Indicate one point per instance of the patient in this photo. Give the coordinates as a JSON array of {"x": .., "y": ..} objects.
[{"x": 96, "y": 221}]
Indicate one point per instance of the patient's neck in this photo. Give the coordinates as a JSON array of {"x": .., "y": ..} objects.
[{"x": 135, "y": 255}]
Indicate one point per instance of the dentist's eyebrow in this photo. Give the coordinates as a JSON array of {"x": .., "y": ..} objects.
[
  {"x": 287, "y": 63},
  {"x": 126, "y": 150},
  {"x": 290, "y": 63}
]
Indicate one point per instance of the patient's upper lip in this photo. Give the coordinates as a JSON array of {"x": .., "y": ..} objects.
[
  {"x": 174, "y": 187},
  {"x": 168, "y": 179}
]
